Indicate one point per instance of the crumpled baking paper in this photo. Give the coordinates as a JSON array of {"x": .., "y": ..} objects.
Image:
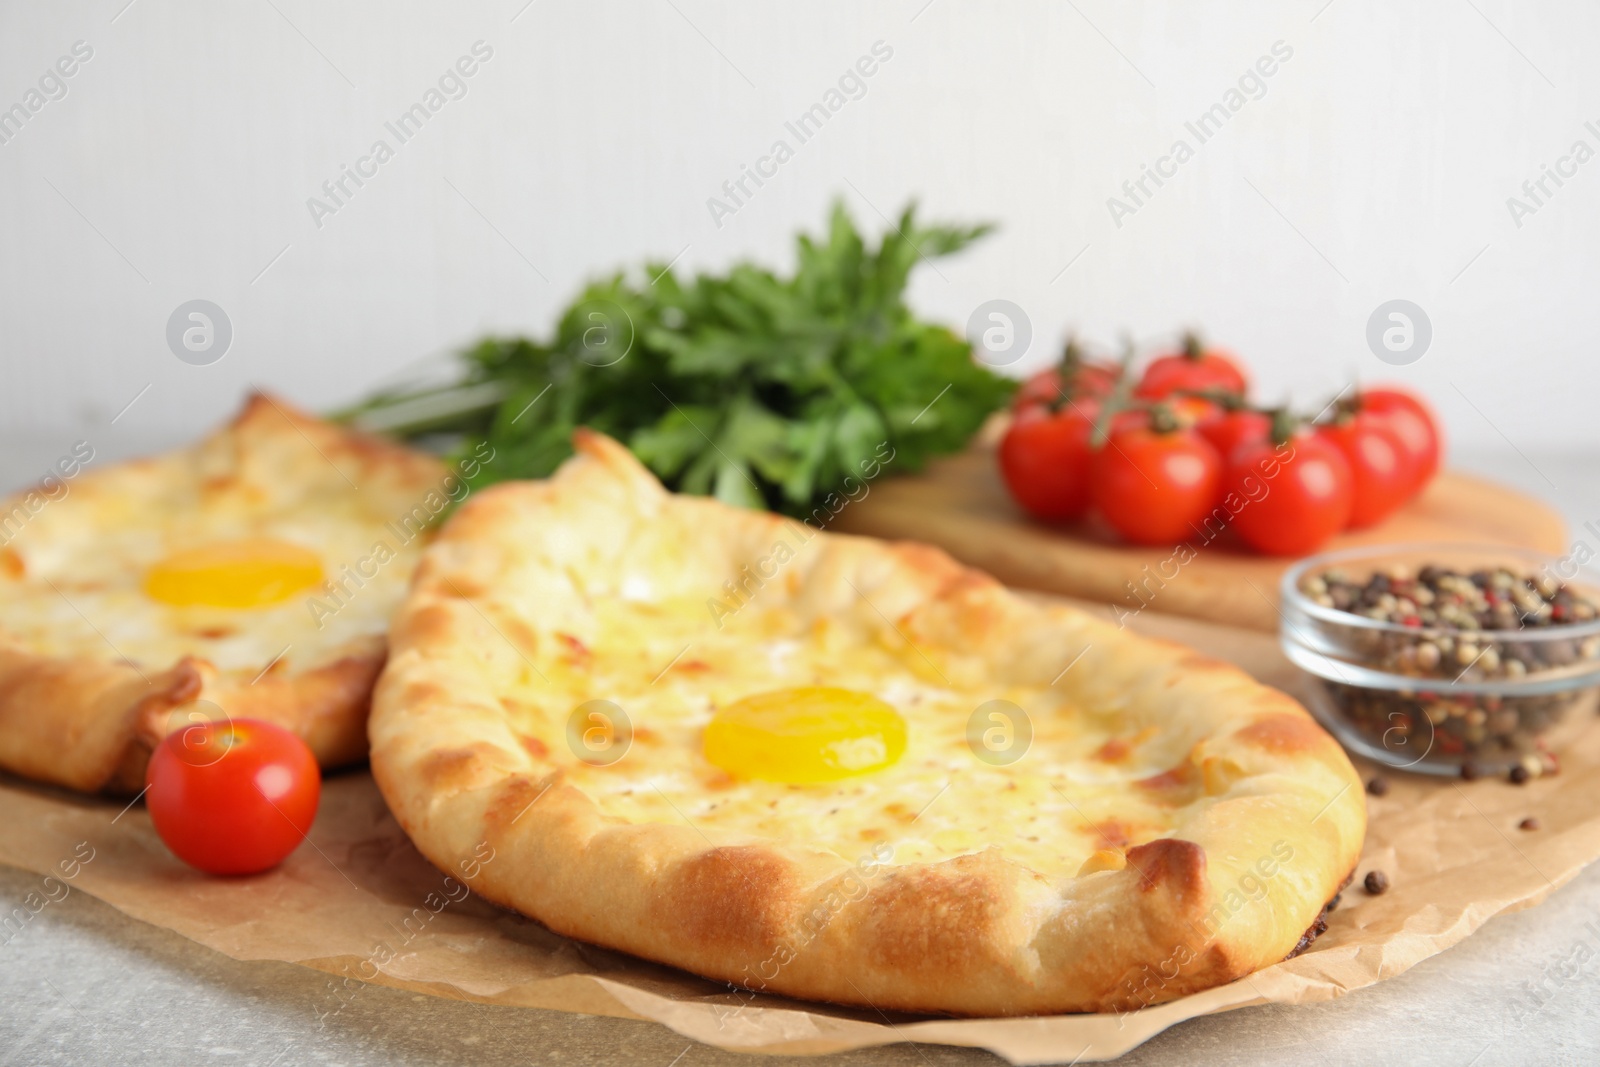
[{"x": 360, "y": 903}]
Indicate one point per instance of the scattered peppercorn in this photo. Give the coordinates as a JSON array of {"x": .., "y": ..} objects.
[
  {"x": 1530, "y": 823},
  {"x": 1470, "y": 772},
  {"x": 1519, "y": 775},
  {"x": 1378, "y": 786},
  {"x": 1376, "y": 882}
]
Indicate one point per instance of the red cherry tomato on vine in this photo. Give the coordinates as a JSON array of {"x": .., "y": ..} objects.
[
  {"x": 1130, "y": 419},
  {"x": 1042, "y": 387},
  {"x": 1095, "y": 379},
  {"x": 1291, "y": 497},
  {"x": 1044, "y": 459},
  {"x": 1194, "y": 369},
  {"x": 1155, "y": 487},
  {"x": 1050, "y": 385},
  {"x": 1194, "y": 411},
  {"x": 1383, "y": 473},
  {"x": 232, "y": 797},
  {"x": 1234, "y": 428},
  {"x": 1413, "y": 421}
]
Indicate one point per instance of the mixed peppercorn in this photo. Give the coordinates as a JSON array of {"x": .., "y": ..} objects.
[{"x": 1464, "y": 629}]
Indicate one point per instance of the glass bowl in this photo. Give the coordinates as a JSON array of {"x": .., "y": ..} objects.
[{"x": 1439, "y": 698}]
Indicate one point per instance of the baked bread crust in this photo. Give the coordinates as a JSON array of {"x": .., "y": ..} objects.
[
  {"x": 977, "y": 934},
  {"x": 90, "y": 721}
]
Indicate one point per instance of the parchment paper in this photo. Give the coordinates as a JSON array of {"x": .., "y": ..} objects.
[{"x": 361, "y": 904}]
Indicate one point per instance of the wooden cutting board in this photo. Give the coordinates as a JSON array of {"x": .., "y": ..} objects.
[{"x": 959, "y": 504}]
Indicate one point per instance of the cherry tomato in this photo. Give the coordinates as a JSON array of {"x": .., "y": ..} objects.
[
  {"x": 1095, "y": 379},
  {"x": 1194, "y": 411},
  {"x": 1413, "y": 421},
  {"x": 1287, "y": 499},
  {"x": 1155, "y": 487},
  {"x": 1042, "y": 387},
  {"x": 1044, "y": 459},
  {"x": 1234, "y": 428},
  {"x": 1078, "y": 380},
  {"x": 1194, "y": 369},
  {"x": 1136, "y": 419},
  {"x": 1383, "y": 473},
  {"x": 232, "y": 797}
]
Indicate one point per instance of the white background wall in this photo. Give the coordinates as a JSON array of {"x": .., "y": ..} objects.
[{"x": 1377, "y": 165}]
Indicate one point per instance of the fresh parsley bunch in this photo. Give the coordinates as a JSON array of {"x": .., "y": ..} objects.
[{"x": 761, "y": 390}]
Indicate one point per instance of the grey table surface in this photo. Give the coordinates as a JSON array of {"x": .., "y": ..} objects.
[{"x": 84, "y": 983}]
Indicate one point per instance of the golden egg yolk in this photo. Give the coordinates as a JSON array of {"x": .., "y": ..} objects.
[
  {"x": 805, "y": 736},
  {"x": 254, "y": 572}
]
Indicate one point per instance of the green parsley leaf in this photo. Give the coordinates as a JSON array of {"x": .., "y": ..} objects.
[{"x": 762, "y": 390}]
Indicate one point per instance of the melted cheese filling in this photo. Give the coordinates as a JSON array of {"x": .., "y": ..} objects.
[
  {"x": 103, "y": 575},
  {"x": 1087, "y": 786}
]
